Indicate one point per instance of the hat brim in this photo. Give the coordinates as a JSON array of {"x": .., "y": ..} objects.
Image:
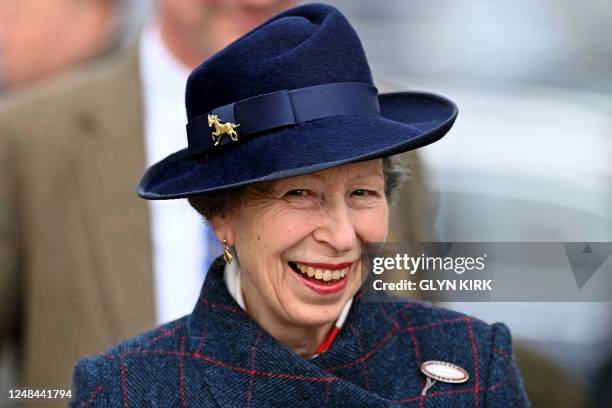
[{"x": 408, "y": 120}]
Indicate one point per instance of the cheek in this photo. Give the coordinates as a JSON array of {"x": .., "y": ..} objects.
[
  {"x": 285, "y": 228},
  {"x": 267, "y": 235},
  {"x": 372, "y": 225}
]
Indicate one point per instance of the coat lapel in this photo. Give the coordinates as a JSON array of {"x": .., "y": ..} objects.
[
  {"x": 242, "y": 365},
  {"x": 111, "y": 158}
]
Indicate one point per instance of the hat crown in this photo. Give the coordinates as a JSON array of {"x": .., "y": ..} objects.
[{"x": 309, "y": 45}]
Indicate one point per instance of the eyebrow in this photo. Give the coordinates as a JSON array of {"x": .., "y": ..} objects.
[
  {"x": 356, "y": 177},
  {"x": 370, "y": 175}
]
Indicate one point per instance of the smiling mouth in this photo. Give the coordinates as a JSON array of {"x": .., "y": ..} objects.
[{"x": 330, "y": 275}]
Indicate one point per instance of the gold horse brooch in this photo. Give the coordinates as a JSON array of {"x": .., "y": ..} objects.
[{"x": 221, "y": 129}]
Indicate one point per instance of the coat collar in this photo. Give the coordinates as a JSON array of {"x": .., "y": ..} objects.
[
  {"x": 223, "y": 335},
  {"x": 217, "y": 310}
]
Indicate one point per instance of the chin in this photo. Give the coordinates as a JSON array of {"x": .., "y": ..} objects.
[{"x": 317, "y": 315}]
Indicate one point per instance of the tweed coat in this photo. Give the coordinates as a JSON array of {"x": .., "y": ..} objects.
[{"x": 219, "y": 357}]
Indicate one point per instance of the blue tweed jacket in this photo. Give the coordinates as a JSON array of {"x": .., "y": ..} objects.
[{"x": 219, "y": 357}]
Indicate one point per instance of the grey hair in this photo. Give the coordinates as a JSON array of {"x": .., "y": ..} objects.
[{"x": 396, "y": 170}]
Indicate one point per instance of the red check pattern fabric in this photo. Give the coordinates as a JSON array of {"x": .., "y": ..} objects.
[{"x": 219, "y": 357}]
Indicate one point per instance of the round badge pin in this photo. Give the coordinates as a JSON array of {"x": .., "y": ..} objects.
[{"x": 442, "y": 371}]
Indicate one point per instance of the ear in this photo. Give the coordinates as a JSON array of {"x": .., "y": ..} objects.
[{"x": 222, "y": 227}]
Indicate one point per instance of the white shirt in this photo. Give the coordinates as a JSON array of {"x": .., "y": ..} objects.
[{"x": 177, "y": 230}]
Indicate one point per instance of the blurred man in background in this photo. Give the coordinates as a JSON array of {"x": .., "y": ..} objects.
[
  {"x": 42, "y": 38},
  {"x": 81, "y": 264}
]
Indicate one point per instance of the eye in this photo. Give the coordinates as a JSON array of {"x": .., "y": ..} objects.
[
  {"x": 302, "y": 199},
  {"x": 364, "y": 193},
  {"x": 297, "y": 193}
]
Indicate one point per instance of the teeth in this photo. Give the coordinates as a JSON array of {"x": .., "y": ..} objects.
[{"x": 325, "y": 275}]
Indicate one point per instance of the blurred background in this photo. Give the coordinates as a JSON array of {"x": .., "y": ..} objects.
[{"x": 529, "y": 158}]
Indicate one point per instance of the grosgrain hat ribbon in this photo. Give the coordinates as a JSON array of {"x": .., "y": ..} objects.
[{"x": 284, "y": 108}]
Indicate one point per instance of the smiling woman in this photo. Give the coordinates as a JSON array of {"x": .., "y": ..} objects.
[{"x": 289, "y": 159}]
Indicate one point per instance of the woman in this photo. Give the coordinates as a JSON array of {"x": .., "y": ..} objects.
[{"x": 288, "y": 159}]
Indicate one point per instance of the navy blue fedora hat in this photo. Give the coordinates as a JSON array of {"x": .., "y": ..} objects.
[{"x": 293, "y": 96}]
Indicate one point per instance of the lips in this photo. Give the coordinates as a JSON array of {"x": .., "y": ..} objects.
[
  {"x": 322, "y": 278},
  {"x": 322, "y": 273}
]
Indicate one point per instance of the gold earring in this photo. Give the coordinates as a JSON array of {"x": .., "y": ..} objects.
[{"x": 226, "y": 253}]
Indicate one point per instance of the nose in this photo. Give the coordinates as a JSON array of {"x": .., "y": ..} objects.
[{"x": 336, "y": 228}]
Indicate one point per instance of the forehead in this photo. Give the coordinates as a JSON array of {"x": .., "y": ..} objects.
[{"x": 371, "y": 169}]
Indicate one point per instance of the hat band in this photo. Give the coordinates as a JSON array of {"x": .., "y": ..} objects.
[{"x": 276, "y": 109}]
